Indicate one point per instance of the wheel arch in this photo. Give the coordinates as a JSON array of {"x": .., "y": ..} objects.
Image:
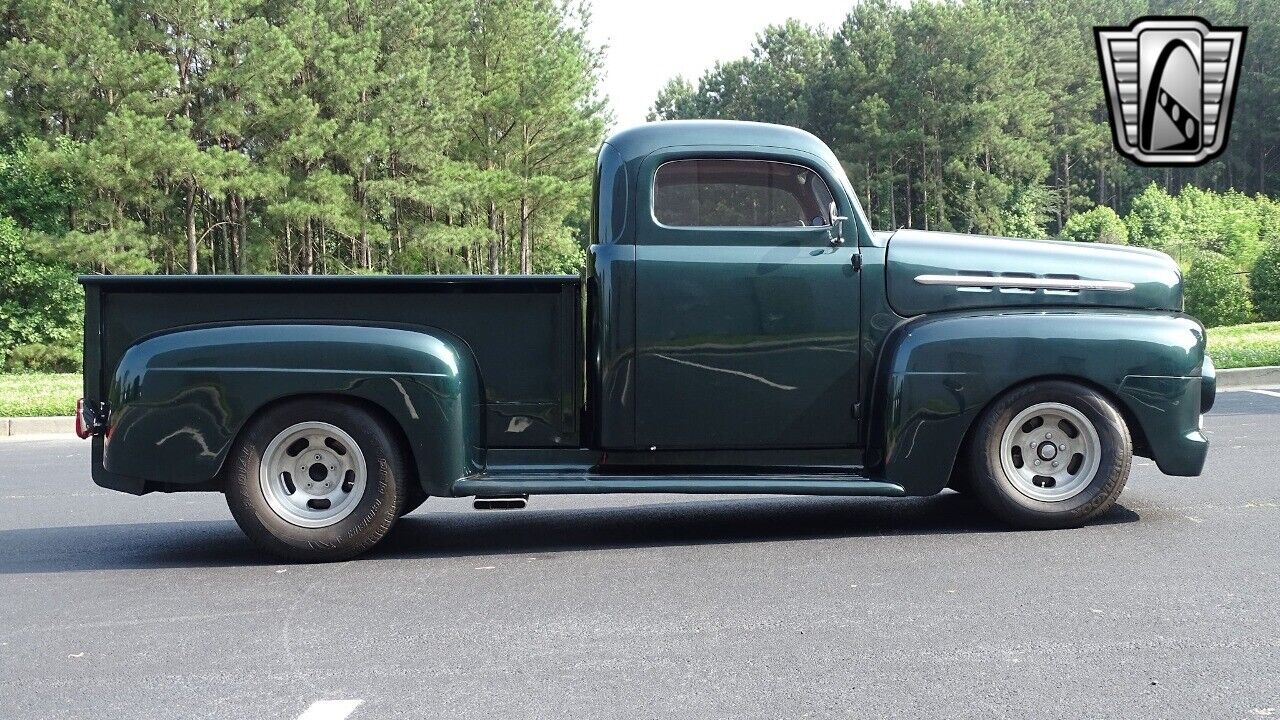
[
  {"x": 398, "y": 433},
  {"x": 1136, "y": 432},
  {"x": 179, "y": 400},
  {"x": 937, "y": 374}
]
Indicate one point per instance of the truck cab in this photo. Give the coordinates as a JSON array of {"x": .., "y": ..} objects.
[
  {"x": 738, "y": 328},
  {"x": 725, "y": 273}
]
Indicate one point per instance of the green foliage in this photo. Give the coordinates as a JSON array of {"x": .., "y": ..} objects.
[
  {"x": 1155, "y": 221},
  {"x": 39, "y": 300},
  {"x": 1032, "y": 207},
  {"x": 1253, "y": 345},
  {"x": 1216, "y": 294},
  {"x": 1100, "y": 224},
  {"x": 48, "y": 358},
  {"x": 675, "y": 100},
  {"x": 1265, "y": 282},
  {"x": 1223, "y": 223},
  {"x": 1230, "y": 224},
  {"x": 1268, "y": 220},
  {"x": 29, "y": 193},
  {"x": 955, "y": 115},
  {"x": 316, "y": 137},
  {"x": 39, "y": 395},
  {"x": 561, "y": 255}
]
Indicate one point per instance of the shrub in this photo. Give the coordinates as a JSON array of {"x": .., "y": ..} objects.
[
  {"x": 1155, "y": 221},
  {"x": 39, "y": 300},
  {"x": 1100, "y": 224},
  {"x": 1224, "y": 223},
  {"x": 1265, "y": 281},
  {"x": 1268, "y": 219},
  {"x": 45, "y": 359},
  {"x": 1215, "y": 293},
  {"x": 35, "y": 196},
  {"x": 1028, "y": 213},
  {"x": 558, "y": 253}
]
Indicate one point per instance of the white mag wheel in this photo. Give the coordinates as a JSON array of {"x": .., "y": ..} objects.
[
  {"x": 313, "y": 474},
  {"x": 1050, "y": 452}
]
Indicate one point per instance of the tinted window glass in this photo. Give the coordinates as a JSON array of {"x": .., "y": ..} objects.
[{"x": 739, "y": 193}]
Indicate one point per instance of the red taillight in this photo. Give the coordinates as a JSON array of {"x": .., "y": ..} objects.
[{"x": 82, "y": 428}]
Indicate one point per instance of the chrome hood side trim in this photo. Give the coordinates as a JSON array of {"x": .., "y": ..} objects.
[{"x": 1026, "y": 283}]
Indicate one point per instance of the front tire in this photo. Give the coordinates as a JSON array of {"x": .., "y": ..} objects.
[
  {"x": 316, "y": 480},
  {"x": 416, "y": 496},
  {"x": 1050, "y": 454}
]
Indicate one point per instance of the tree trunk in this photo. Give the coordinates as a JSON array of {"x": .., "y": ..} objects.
[
  {"x": 308, "y": 250},
  {"x": 942, "y": 185},
  {"x": 924, "y": 185},
  {"x": 189, "y": 215},
  {"x": 910, "y": 216},
  {"x": 209, "y": 209},
  {"x": 1065, "y": 213},
  {"x": 365, "y": 259},
  {"x": 893, "y": 201},
  {"x": 225, "y": 231},
  {"x": 503, "y": 238},
  {"x": 493, "y": 238},
  {"x": 242, "y": 234},
  {"x": 526, "y": 239},
  {"x": 871, "y": 205},
  {"x": 1262, "y": 170}
]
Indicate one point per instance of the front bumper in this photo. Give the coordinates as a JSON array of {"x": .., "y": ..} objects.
[
  {"x": 1208, "y": 385},
  {"x": 1168, "y": 411}
]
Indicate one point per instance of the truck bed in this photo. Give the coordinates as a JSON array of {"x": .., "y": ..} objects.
[{"x": 524, "y": 330}]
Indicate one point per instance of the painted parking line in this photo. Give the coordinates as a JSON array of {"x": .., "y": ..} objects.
[
  {"x": 329, "y": 709},
  {"x": 1272, "y": 393}
]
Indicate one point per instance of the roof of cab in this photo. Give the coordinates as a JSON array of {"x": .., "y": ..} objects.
[{"x": 640, "y": 140}]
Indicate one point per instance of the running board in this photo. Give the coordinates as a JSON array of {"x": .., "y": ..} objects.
[
  {"x": 515, "y": 502},
  {"x": 512, "y": 484}
]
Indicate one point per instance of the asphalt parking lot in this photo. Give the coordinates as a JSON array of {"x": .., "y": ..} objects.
[{"x": 114, "y": 606}]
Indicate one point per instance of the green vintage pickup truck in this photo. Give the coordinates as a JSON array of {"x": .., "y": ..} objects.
[{"x": 739, "y": 328}]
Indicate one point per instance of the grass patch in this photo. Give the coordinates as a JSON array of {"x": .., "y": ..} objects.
[
  {"x": 1239, "y": 346},
  {"x": 39, "y": 394}
]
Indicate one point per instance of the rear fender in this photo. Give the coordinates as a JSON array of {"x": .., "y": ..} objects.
[
  {"x": 179, "y": 399},
  {"x": 937, "y": 373}
]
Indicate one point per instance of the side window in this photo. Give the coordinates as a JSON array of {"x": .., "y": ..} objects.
[{"x": 739, "y": 193}]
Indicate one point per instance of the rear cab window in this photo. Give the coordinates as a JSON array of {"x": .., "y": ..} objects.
[{"x": 702, "y": 193}]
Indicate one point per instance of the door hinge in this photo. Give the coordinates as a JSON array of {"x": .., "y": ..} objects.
[{"x": 856, "y": 259}]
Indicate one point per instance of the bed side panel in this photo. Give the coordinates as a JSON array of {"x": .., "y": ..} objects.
[{"x": 523, "y": 333}]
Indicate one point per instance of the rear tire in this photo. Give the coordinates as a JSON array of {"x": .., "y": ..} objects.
[
  {"x": 961, "y": 479},
  {"x": 1049, "y": 454},
  {"x": 316, "y": 480}
]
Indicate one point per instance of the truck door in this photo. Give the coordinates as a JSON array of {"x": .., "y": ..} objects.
[{"x": 747, "y": 314}]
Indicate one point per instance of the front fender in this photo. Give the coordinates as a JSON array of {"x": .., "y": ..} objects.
[
  {"x": 179, "y": 399},
  {"x": 938, "y": 372}
]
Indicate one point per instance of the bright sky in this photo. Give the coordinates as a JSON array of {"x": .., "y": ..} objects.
[{"x": 650, "y": 42}]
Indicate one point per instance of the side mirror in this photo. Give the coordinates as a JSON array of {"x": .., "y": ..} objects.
[{"x": 837, "y": 224}]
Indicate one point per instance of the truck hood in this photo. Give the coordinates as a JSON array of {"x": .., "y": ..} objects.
[{"x": 935, "y": 271}]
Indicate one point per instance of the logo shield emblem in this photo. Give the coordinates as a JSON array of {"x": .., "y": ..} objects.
[{"x": 1171, "y": 85}]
